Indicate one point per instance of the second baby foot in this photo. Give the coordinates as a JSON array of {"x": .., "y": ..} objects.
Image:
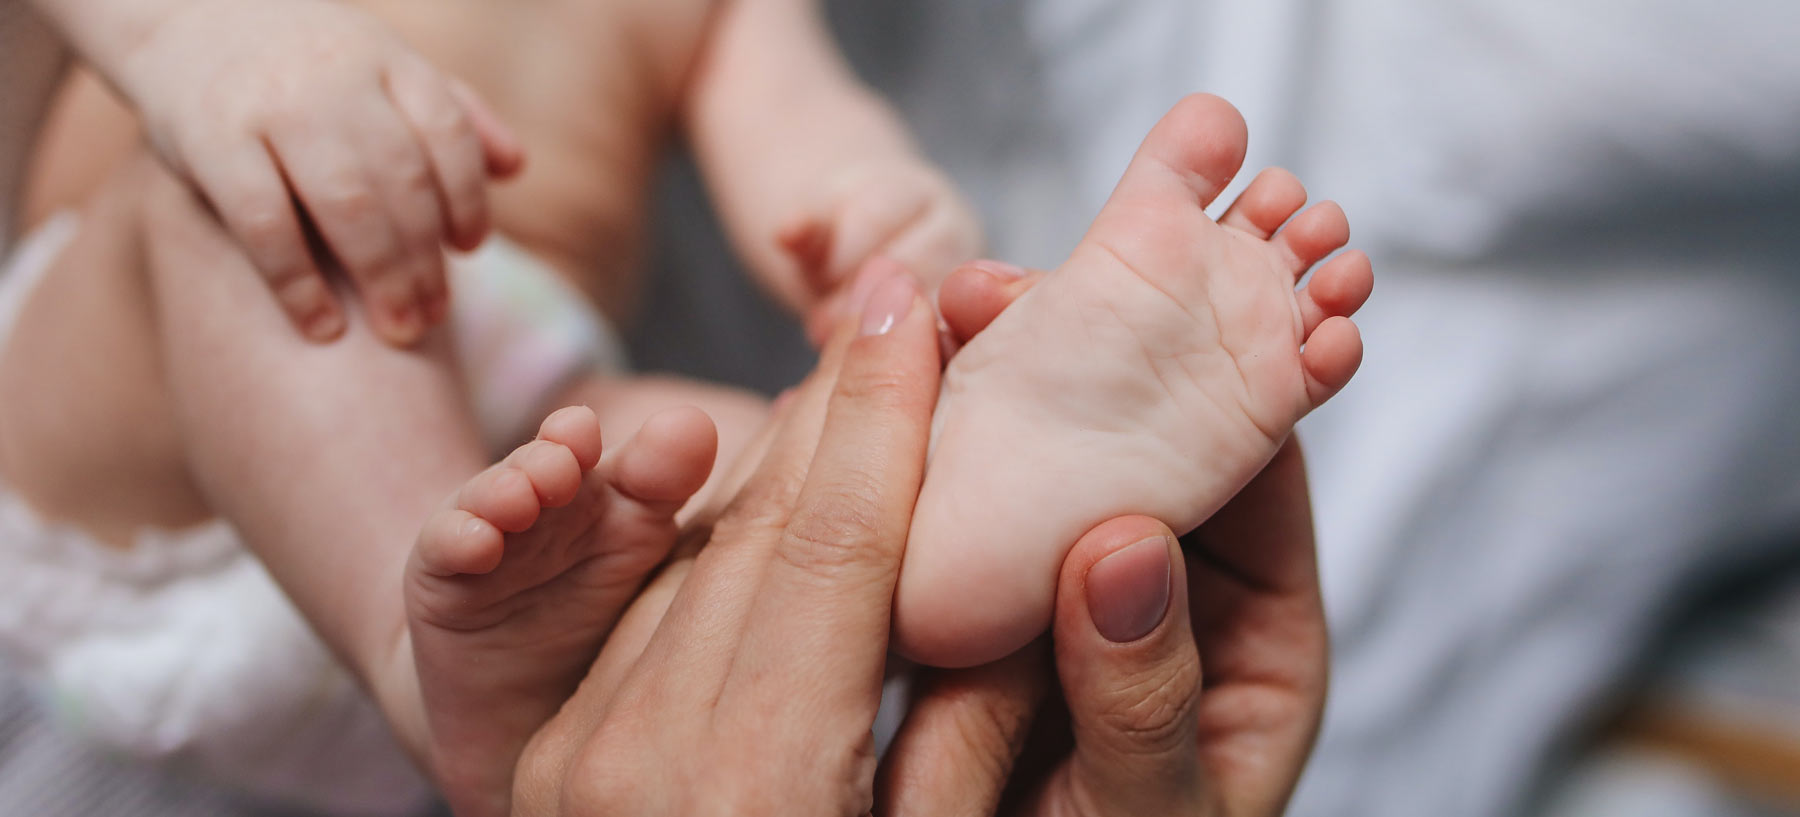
[
  {"x": 1153, "y": 373},
  {"x": 512, "y": 589}
]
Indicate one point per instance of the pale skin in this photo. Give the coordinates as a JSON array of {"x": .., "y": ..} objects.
[
  {"x": 805, "y": 164},
  {"x": 1183, "y": 165},
  {"x": 191, "y": 295},
  {"x": 691, "y": 708},
  {"x": 235, "y": 470},
  {"x": 1178, "y": 350},
  {"x": 387, "y": 158},
  {"x": 196, "y": 368}
]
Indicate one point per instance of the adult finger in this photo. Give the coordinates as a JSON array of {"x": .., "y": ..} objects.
[
  {"x": 769, "y": 473},
  {"x": 450, "y": 141},
  {"x": 830, "y": 587},
  {"x": 247, "y": 192},
  {"x": 955, "y": 753},
  {"x": 1130, "y": 672},
  {"x": 689, "y": 653},
  {"x": 1264, "y": 535},
  {"x": 1254, "y": 561}
]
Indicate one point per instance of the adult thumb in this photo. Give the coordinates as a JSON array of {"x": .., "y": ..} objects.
[{"x": 1130, "y": 670}]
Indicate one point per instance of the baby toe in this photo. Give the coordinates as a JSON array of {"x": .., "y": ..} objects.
[
  {"x": 1330, "y": 357},
  {"x": 1337, "y": 289},
  {"x": 1270, "y": 200},
  {"x": 504, "y": 496},
  {"x": 1312, "y": 235},
  {"x": 576, "y": 428},
  {"x": 669, "y": 459},
  {"x": 552, "y": 469},
  {"x": 456, "y": 542}
]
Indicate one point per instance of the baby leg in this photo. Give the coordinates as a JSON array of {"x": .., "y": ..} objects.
[{"x": 327, "y": 458}]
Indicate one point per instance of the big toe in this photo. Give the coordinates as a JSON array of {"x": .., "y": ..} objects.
[
  {"x": 669, "y": 459},
  {"x": 1195, "y": 151}
]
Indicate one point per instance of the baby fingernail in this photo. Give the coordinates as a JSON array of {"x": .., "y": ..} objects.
[
  {"x": 889, "y": 303},
  {"x": 325, "y": 324},
  {"x": 404, "y": 320},
  {"x": 1128, "y": 591},
  {"x": 999, "y": 268}
]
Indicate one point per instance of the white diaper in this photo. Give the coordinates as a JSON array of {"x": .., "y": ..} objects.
[{"x": 183, "y": 650}]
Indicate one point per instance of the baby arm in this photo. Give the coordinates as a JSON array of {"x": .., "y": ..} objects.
[
  {"x": 810, "y": 170},
  {"x": 297, "y": 114}
]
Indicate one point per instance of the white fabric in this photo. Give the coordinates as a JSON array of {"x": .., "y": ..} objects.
[
  {"x": 1582, "y": 364},
  {"x": 522, "y": 332},
  {"x": 182, "y": 649}
]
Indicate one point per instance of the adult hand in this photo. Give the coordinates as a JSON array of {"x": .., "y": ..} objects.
[
  {"x": 289, "y": 112},
  {"x": 745, "y": 681},
  {"x": 1191, "y": 685},
  {"x": 1193, "y": 680}
]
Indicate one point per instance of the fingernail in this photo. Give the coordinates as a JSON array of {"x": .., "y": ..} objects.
[
  {"x": 889, "y": 303},
  {"x": 325, "y": 325},
  {"x": 404, "y": 320},
  {"x": 1128, "y": 591},
  {"x": 999, "y": 268}
]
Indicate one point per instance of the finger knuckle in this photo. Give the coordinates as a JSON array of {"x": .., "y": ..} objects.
[
  {"x": 263, "y": 228},
  {"x": 1156, "y": 711},
  {"x": 831, "y": 540},
  {"x": 990, "y": 733},
  {"x": 409, "y": 172},
  {"x": 610, "y": 777},
  {"x": 446, "y": 122},
  {"x": 350, "y": 201},
  {"x": 880, "y": 390}
]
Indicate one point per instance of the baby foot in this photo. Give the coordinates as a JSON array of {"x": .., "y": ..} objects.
[
  {"x": 1154, "y": 373},
  {"x": 512, "y": 589}
]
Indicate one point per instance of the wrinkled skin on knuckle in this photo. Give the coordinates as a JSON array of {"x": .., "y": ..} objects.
[
  {"x": 837, "y": 538},
  {"x": 882, "y": 393},
  {"x": 747, "y": 520},
  {"x": 1155, "y": 713}
]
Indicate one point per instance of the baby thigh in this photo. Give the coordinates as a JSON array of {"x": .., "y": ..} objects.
[
  {"x": 326, "y": 457},
  {"x": 87, "y": 428}
]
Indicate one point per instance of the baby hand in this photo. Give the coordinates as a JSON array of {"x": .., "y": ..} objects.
[
  {"x": 297, "y": 114},
  {"x": 902, "y": 208}
]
